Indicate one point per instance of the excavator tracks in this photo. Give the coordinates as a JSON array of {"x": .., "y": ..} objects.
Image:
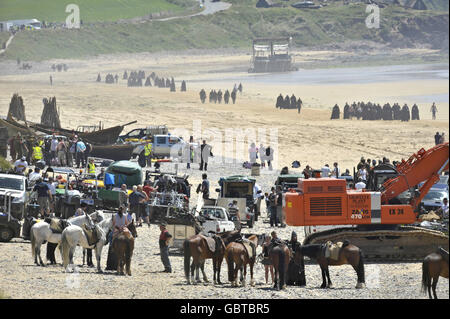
[{"x": 406, "y": 243}]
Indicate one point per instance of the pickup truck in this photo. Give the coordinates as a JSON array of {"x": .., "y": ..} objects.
[
  {"x": 215, "y": 219},
  {"x": 163, "y": 146},
  {"x": 143, "y": 134},
  {"x": 17, "y": 187}
]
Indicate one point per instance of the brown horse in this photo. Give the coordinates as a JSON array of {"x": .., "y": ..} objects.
[
  {"x": 279, "y": 257},
  {"x": 433, "y": 266},
  {"x": 348, "y": 254},
  {"x": 237, "y": 253},
  {"x": 197, "y": 247},
  {"x": 123, "y": 246}
]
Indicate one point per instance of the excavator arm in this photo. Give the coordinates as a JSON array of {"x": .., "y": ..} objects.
[{"x": 423, "y": 166}]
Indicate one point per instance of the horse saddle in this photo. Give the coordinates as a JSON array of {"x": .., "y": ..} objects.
[
  {"x": 57, "y": 225},
  {"x": 332, "y": 250},
  {"x": 91, "y": 234},
  {"x": 248, "y": 245},
  {"x": 211, "y": 244},
  {"x": 443, "y": 253},
  {"x": 125, "y": 231}
]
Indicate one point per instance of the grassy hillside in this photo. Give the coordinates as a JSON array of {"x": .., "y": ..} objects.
[
  {"x": 235, "y": 28},
  {"x": 90, "y": 10}
]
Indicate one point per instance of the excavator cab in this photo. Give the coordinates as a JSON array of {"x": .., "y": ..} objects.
[{"x": 381, "y": 174}]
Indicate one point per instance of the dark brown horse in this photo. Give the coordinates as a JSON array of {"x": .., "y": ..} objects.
[
  {"x": 198, "y": 248},
  {"x": 433, "y": 266},
  {"x": 280, "y": 256},
  {"x": 237, "y": 254},
  {"x": 123, "y": 246},
  {"x": 348, "y": 254}
]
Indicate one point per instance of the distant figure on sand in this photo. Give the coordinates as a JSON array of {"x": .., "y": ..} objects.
[
  {"x": 433, "y": 111},
  {"x": 51, "y": 80}
]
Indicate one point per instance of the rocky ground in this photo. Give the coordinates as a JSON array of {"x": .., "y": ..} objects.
[{"x": 20, "y": 278}]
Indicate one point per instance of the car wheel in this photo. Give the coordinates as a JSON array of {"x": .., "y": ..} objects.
[{"x": 6, "y": 234}]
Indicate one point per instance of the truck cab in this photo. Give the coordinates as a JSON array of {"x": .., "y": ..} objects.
[
  {"x": 15, "y": 186},
  {"x": 215, "y": 219},
  {"x": 167, "y": 146}
]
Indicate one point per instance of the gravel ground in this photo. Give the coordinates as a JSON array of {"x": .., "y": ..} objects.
[{"x": 20, "y": 278}]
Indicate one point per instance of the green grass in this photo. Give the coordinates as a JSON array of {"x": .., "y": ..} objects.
[
  {"x": 233, "y": 28},
  {"x": 90, "y": 10}
]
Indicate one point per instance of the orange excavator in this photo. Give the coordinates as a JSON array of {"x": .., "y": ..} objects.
[{"x": 381, "y": 218}]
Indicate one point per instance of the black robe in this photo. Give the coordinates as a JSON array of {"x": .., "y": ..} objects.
[{"x": 296, "y": 273}]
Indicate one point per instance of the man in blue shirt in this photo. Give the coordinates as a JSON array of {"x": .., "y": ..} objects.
[{"x": 44, "y": 194}]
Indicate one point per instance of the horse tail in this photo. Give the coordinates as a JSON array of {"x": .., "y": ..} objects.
[
  {"x": 33, "y": 243},
  {"x": 360, "y": 268},
  {"x": 230, "y": 265},
  {"x": 187, "y": 257},
  {"x": 281, "y": 266},
  {"x": 425, "y": 276},
  {"x": 65, "y": 249}
]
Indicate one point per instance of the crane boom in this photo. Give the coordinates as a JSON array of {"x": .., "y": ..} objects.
[{"x": 423, "y": 166}]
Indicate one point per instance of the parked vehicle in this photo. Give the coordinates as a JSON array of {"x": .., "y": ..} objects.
[
  {"x": 17, "y": 187},
  {"x": 9, "y": 226},
  {"x": 143, "y": 134},
  {"x": 434, "y": 199},
  {"x": 215, "y": 219},
  {"x": 163, "y": 146},
  {"x": 241, "y": 189}
]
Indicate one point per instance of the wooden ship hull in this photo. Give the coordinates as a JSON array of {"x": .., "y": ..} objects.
[
  {"x": 100, "y": 137},
  {"x": 13, "y": 127},
  {"x": 116, "y": 152}
]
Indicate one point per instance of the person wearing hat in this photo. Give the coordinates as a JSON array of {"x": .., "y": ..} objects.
[
  {"x": 164, "y": 238},
  {"x": 20, "y": 165}
]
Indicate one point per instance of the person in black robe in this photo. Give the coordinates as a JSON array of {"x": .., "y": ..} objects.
[
  {"x": 296, "y": 273},
  {"x": 203, "y": 95},
  {"x": 405, "y": 115},
  {"x": 346, "y": 111},
  {"x": 287, "y": 102},
  {"x": 387, "y": 112},
  {"x": 335, "y": 113},
  {"x": 415, "y": 112},
  {"x": 293, "y": 101},
  {"x": 219, "y": 96},
  {"x": 299, "y": 105},
  {"x": 183, "y": 86},
  {"x": 233, "y": 96},
  {"x": 396, "y": 112},
  {"x": 280, "y": 102},
  {"x": 226, "y": 97}
]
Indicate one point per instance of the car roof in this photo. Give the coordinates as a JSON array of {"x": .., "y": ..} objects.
[{"x": 13, "y": 176}]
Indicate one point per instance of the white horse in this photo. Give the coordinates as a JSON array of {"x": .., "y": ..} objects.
[
  {"x": 74, "y": 235},
  {"x": 41, "y": 233}
]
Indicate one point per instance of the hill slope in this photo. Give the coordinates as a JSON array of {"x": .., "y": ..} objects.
[
  {"x": 235, "y": 28},
  {"x": 90, "y": 10}
]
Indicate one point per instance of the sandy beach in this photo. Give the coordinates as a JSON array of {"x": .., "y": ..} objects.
[{"x": 309, "y": 137}]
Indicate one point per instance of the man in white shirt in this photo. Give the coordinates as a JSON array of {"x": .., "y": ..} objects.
[
  {"x": 326, "y": 171},
  {"x": 336, "y": 171},
  {"x": 35, "y": 175},
  {"x": 54, "y": 146},
  {"x": 20, "y": 165},
  {"x": 444, "y": 209},
  {"x": 362, "y": 173},
  {"x": 360, "y": 185}
]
